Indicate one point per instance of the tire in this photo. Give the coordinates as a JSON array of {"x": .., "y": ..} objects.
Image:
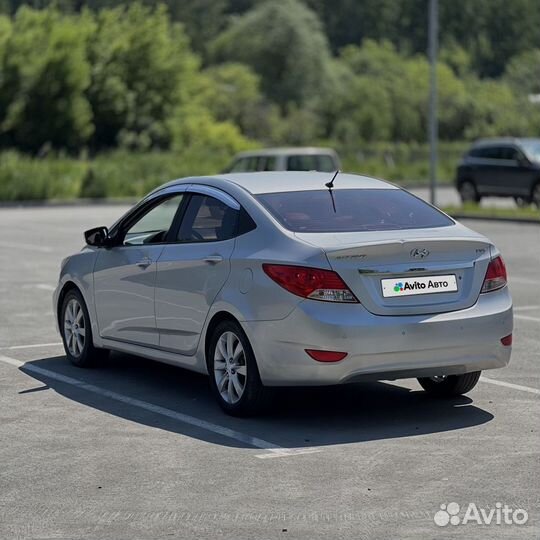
[
  {"x": 535, "y": 195},
  {"x": 450, "y": 385},
  {"x": 76, "y": 331},
  {"x": 468, "y": 192},
  {"x": 522, "y": 202},
  {"x": 246, "y": 397}
]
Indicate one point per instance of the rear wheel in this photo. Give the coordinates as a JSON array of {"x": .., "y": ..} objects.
[
  {"x": 234, "y": 376},
  {"x": 450, "y": 385},
  {"x": 76, "y": 332},
  {"x": 468, "y": 192}
]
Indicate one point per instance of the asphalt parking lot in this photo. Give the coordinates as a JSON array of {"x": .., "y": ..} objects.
[{"x": 139, "y": 450}]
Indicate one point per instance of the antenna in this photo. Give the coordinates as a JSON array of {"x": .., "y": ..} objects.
[{"x": 330, "y": 184}]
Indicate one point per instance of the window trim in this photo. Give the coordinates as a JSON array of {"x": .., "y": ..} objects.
[
  {"x": 142, "y": 209},
  {"x": 218, "y": 194},
  {"x": 119, "y": 229},
  {"x": 174, "y": 231}
]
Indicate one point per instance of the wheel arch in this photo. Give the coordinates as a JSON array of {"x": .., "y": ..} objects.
[
  {"x": 216, "y": 319},
  {"x": 68, "y": 286}
]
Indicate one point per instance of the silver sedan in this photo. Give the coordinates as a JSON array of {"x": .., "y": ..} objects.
[{"x": 274, "y": 279}]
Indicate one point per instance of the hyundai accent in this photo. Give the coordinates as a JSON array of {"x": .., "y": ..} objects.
[{"x": 288, "y": 279}]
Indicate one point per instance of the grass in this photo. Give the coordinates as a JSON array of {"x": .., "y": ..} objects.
[{"x": 475, "y": 211}]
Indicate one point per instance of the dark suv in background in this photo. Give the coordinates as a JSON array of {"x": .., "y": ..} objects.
[{"x": 501, "y": 167}]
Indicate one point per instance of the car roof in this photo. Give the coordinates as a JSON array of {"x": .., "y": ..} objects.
[
  {"x": 502, "y": 140},
  {"x": 288, "y": 181},
  {"x": 288, "y": 151}
]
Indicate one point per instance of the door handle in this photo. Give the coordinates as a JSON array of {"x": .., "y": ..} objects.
[
  {"x": 213, "y": 259},
  {"x": 144, "y": 263}
]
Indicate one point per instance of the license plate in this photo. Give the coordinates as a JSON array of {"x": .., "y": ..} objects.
[{"x": 418, "y": 285}]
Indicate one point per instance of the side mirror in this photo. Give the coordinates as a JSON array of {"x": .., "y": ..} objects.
[
  {"x": 97, "y": 237},
  {"x": 523, "y": 161}
]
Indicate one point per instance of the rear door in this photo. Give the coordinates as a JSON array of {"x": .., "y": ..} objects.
[{"x": 192, "y": 271}]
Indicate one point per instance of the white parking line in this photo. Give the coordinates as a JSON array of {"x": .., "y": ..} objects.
[
  {"x": 42, "y": 286},
  {"x": 33, "y": 346},
  {"x": 29, "y": 247},
  {"x": 273, "y": 450},
  {"x": 526, "y": 318},
  {"x": 510, "y": 385},
  {"x": 526, "y": 281},
  {"x": 526, "y": 308}
]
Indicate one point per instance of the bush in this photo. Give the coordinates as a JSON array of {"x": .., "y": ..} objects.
[
  {"x": 24, "y": 178},
  {"x": 115, "y": 175},
  {"x": 403, "y": 163}
]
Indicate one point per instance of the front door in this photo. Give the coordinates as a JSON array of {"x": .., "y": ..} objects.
[{"x": 125, "y": 275}]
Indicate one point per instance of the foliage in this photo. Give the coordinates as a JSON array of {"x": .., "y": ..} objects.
[
  {"x": 283, "y": 42},
  {"x": 155, "y": 89},
  {"x": 42, "y": 97},
  {"x": 142, "y": 69}
]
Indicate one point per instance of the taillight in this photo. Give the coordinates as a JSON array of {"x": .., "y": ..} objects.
[
  {"x": 495, "y": 275},
  {"x": 326, "y": 356},
  {"x": 314, "y": 283}
]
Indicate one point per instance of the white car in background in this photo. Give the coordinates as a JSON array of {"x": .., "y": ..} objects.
[
  {"x": 286, "y": 159},
  {"x": 272, "y": 279}
]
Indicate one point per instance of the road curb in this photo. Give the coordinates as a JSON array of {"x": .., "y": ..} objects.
[{"x": 529, "y": 221}]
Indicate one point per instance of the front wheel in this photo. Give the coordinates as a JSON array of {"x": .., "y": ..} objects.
[
  {"x": 234, "y": 376},
  {"x": 450, "y": 385},
  {"x": 76, "y": 332}
]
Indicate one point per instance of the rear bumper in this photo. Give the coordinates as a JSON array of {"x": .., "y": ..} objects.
[{"x": 381, "y": 347}]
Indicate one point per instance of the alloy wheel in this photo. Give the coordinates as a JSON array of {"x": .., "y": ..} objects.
[
  {"x": 468, "y": 192},
  {"x": 74, "y": 328},
  {"x": 230, "y": 368}
]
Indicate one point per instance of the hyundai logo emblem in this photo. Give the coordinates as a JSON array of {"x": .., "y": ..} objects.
[{"x": 418, "y": 253}]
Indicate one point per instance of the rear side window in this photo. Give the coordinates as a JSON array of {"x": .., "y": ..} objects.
[
  {"x": 352, "y": 210},
  {"x": 490, "y": 152},
  {"x": 207, "y": 220},
  {"x": 326, "y": 164}
]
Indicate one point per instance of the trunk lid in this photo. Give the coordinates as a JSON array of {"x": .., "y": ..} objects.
[{"x": 424, "y": 268}]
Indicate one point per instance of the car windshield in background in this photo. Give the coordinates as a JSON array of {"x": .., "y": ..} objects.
[
  {"x": 532, "y": 149},
  {"x": 355, "y": 210}
]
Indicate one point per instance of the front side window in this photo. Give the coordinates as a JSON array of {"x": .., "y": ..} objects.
[
  {"x": 207, "y": 220},
  {"x": 352, "y": 210},
  {"x": 153, "y": 226}
]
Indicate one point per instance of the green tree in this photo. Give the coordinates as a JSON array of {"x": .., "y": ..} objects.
[
  {"x": 523, "y": 72},
  {"x": 233, "y": 94},
  {"x": 142, "y": 68},
  {"x": 45, "y": 73},
  {"x": 283, "y": 42}
]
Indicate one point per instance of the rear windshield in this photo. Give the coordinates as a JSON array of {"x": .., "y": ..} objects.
[{"x": 351, "y": 210}]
